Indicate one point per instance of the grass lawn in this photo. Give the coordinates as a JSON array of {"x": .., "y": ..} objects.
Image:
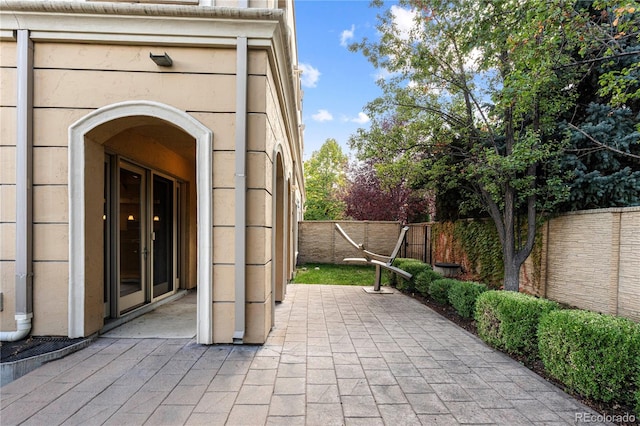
[{"x": 324, "y": 273}]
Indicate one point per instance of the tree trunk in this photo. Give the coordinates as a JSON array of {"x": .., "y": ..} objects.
[{"x": 511, "y": 274}]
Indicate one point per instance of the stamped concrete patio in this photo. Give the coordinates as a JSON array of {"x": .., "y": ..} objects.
[{"x": 337, "y": 355}]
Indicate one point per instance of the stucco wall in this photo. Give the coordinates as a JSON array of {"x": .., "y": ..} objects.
[
  {"x": 90, "y": 64},
  {"x": 319, "y": 242},
  {"x": 71, "y": 80},
  {"x": 587, "y": 259},
  {"x": 7, "y": 182},
  {"x": 592, "y": 261}
]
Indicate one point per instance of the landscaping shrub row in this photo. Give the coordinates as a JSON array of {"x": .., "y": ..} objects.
[
  {"x": 459, "y": 294},
  {"x": 595, "y": 355},
  {"x": 509, "y": 321}
]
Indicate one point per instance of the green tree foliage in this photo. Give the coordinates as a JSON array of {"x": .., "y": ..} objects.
[
  {"x": 604, "y": 150},
  {"x": 608, "y": 32},
  {"x": 604, "y": 172},
  {"x": 325, "y": 178},
  {"x": 473, "y": 103}
]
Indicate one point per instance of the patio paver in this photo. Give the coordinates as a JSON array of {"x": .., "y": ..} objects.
[{"x": 337, "y": 355}]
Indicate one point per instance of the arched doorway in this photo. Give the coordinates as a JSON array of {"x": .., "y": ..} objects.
[
  {"x": 280, "y": 226},
  {"x": 142, "y": 181}
]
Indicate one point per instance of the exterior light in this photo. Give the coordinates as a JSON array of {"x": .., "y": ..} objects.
[
  {"x": 131, "y": 217},
  {"x": 161, "y": 60}
]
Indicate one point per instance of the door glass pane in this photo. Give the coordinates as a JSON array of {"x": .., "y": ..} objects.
[
  {"x": 106, "y": 248},
  {"x": 130, "y": 232},
  {"x": 162, "y": 236}
]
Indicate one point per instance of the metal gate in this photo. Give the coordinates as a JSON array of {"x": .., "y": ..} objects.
[{"x": 417, "y": 243}]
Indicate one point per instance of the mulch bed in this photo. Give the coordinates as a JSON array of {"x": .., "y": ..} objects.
[
  {"x": 607, "y": 409},
  {"x": 33, "y": 346}
]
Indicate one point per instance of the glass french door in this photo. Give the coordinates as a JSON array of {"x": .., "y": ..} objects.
[
  {"x": 133, "y": 248},
  {"x": 163, "y": 235},
  {"x": 140, "y": 236}
]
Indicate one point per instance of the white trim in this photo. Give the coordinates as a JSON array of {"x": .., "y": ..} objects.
[
  {"x": 204, "y": 176},
  {"x": 132, "y": 23},
  {"x": 7, "y": 35}
]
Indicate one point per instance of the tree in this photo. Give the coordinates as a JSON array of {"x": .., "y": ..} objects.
[
  {"x": 367, "y": 197},
  {"x": 473, "y": 103},
  {"x": 604, "y": 147},
  {"x": 608, "y": 32},
  {"x": 325, "y": 177},
  {"x": 601, "y": 177}
]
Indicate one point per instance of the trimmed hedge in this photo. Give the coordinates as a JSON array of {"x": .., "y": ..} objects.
[
  {"x": 439, "y": 290},
  {"x": 412, "y": 266},
  {"x": 424, "y": 279},
  {"x": 463, "y": 295},
  {"x": 399, "y": 262},
  {"x": 638, "y": 392},
  {"x": 509, "y": 321},
  {"x": 596, "y": 355}
]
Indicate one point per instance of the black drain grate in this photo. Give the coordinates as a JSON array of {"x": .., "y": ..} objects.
[{"x": 33, "y": 346}]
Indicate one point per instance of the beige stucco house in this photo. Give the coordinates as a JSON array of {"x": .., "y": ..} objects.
[{"x": 147, "y": 148}]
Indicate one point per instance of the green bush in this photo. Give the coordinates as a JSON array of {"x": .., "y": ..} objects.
[
  {"x": 638, "y": 392},
  {"x": 439, "y": 290},
  {"x": 412, "y": 266},
  {"x": 509, "y": 321},
  {"x": 596, "y": 355},
  {"x": 463, "y": 295},
  {"x": 424, "y": 279},
  {"x": 397, "y": 262}
]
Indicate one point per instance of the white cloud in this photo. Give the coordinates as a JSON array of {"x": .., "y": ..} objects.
[
  {"x": 404, "y": 20},
  {"x": 322, "y": 115},
  {"x": 361, "y": 119},
  {"x": 472, "y": 59},
  {"x": 346, "y": 36},
  {"x": 310, "y": 75},
  {"x": 383, "y": 74}
]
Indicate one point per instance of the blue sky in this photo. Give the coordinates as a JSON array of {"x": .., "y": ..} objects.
[{"x": 337, "y": 83}]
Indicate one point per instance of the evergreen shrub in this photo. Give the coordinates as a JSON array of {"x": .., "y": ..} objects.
[
  {"x": 463, "y": 295},
  {"x": 424, "y": 279},
  {"x": 509, "y": 321},
  {"x": 393, "y": 278},
  {"x": 638, "y": 392},
  {"x": 596, "y": 355},
  {"x": 439, "y": 290},
  {"x": 412, "y": 266}
]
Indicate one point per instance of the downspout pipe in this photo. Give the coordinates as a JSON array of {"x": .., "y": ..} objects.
[
  {"x": 24, "y": 194},
  {"x": 240, "y": 190}
]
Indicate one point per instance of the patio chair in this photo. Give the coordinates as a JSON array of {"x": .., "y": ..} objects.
[{"x": 380, "y": 261}]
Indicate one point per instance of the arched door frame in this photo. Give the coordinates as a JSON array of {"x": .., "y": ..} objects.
[
  {"x": 278, "y": 223},
  {"x": 204, "y": 176}
]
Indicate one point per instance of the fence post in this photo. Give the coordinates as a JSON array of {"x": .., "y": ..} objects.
[{"x": 427, "y": 245}]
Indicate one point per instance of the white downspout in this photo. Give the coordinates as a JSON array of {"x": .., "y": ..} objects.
[
  {"x": 240, "y": 190},
  {"x": 24, "y": 195}
]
